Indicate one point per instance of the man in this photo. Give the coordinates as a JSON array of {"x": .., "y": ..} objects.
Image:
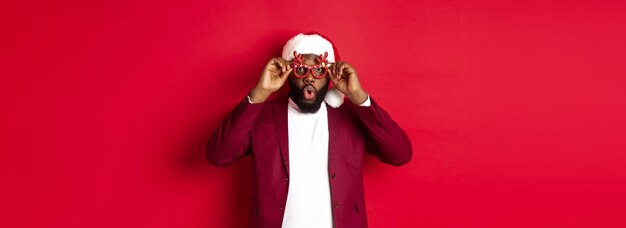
[{"x": 308, "y": 156}]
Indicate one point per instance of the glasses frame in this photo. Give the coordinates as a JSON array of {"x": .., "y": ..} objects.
[{"x": 298, "y": 61}]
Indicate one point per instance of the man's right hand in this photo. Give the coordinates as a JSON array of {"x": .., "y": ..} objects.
[{"x": 274, "y": 76}]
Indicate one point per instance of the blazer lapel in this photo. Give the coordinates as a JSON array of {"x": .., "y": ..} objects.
[
  {"x": 332, "y": 135},
  {"x": 282, "y": 131}
]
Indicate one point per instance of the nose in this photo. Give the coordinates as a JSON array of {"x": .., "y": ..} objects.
[{"x": 309, "y": 78}]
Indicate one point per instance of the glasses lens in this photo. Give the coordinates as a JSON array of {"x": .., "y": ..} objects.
[
  {"x": 300, "y": 71},
  {"x": 319, "y": 71}
]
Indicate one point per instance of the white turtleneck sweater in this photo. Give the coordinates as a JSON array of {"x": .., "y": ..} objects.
[{"x": 308, "y": 198}]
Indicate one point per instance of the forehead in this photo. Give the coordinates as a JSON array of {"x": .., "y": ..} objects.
[{"x": 310, "y": 59}]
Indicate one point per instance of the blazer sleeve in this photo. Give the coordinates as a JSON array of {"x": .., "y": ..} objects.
[
  {"x": 387, "y": 141},
  {"x": 231, "y": 141}
]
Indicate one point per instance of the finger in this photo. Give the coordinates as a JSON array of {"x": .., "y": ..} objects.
[
  {"x": 348, "y": 70},
  {"x": 270, "y": 65},
  {"x": 341, "y": 70},
  {"x": 333, "y": 76},
  {"x": 333, "y": 73},
  {"x": 280, "y": 64},
  {"x": 286, "y": 63},
  {"x": 285, "y": 75},
  {"x": 337, "y": 68}
]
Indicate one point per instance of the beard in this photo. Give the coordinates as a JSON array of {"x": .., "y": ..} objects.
[{"x": 297, "y": 95}]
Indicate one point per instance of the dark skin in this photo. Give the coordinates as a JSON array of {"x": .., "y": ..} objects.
[{"x": 278, "y": 70}]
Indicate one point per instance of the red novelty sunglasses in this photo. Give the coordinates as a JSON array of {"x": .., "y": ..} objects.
[{"x": 300, "y": 70}]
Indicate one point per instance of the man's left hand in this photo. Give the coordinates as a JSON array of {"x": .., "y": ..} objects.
[{"x": 345, "y": 79}]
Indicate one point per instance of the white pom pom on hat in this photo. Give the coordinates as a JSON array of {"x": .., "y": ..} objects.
[{"x": 315, "y": 43}]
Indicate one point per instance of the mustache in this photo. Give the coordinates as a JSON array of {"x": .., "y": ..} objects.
[{"x": 305, "y": 85}]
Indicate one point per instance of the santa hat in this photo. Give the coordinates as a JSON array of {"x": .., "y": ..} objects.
[{"x": 315, "y": 43}]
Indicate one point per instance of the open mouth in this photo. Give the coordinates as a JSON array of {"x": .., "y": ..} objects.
[{"x": 309, "y": 92}]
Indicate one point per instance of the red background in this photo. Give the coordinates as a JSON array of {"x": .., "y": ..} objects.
[{"x": 516, "y": 111}]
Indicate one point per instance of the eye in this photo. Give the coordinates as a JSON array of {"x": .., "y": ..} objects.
[
  {"x": 319, "y": 71},
  {"x": 300, "y": 70}
]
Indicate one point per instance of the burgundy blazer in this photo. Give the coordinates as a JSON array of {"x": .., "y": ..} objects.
[{"x": 260, "y": 130}]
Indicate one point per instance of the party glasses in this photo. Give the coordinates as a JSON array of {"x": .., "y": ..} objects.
[{"x": 300, "y": 70}]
